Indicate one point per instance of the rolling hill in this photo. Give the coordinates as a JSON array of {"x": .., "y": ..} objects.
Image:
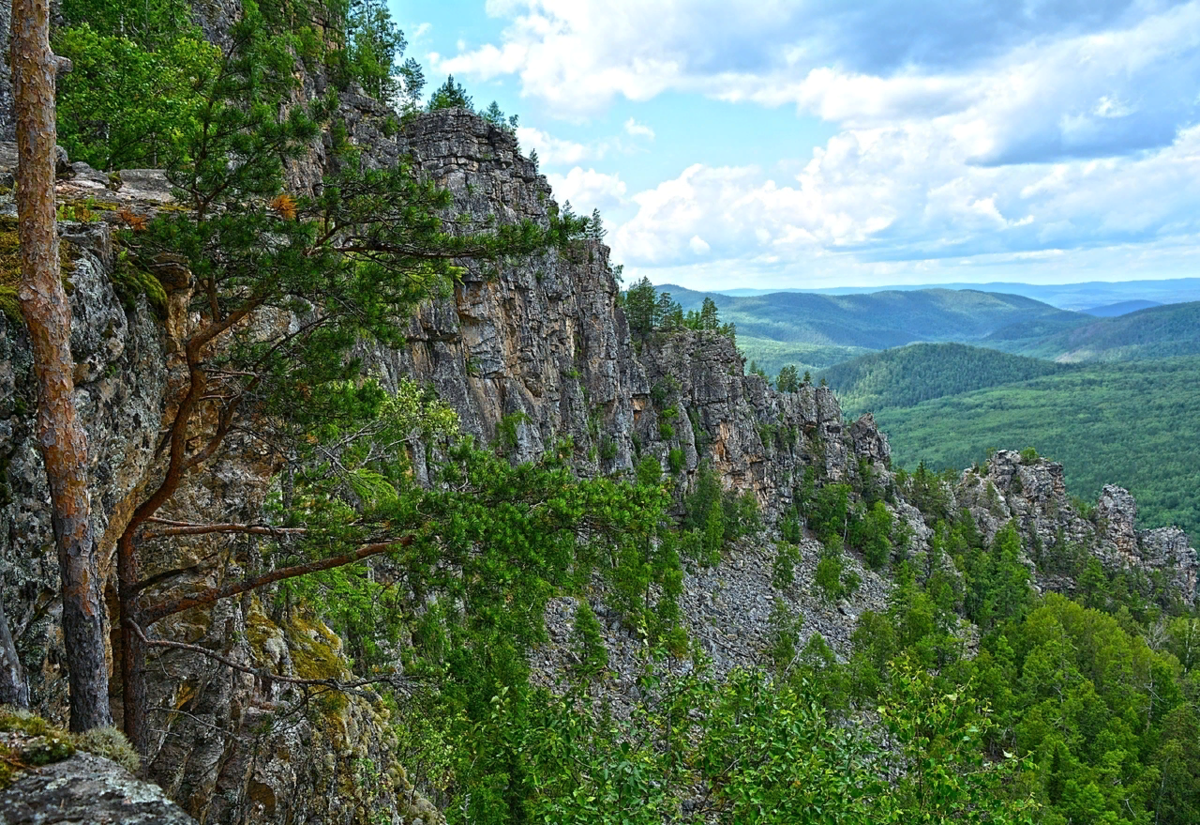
[
  {"x": 1121, "y": 308},
  {"x": 1078, "y": 296},
  {"x": 813, "y": 330},
  {"x": 1158, "y": 332},
  {"x": 909, "y": 375}
]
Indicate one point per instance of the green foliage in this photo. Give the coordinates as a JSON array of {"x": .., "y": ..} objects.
[
  {"x": 450, "y": 95},
  {"x": 831, "y": 578},
  {"x": 829, "y": 512},
  {"x": 717, "y": 516},
  {"x": 588, "y": 639},
  {"x": 124, "y": 104},
  {"x": 374, "y": 46},
  {"x": 784, "y": 634},
  {"x": 675, "y": 461},
  {"x": 783, "y": 568},
  {"x": 649, "y": 311},
  {"x": 872, "y": 535},
  {"x": 789, "y": 379},
  {"x": 789, "y": 526},
  {"x": 920, "y": 372},
  {"x": 142, "y": 72},
  {"x": 493, "y": 115}
]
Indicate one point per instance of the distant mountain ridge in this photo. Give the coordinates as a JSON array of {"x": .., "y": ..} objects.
[
  {"x": 816, "y": 331},
  {"x": 1122, "y": 308},
  {"x": 1158, "y": 332},
  {"x": 877, "y": 320},
  {"x": 1063, "y": 296}
]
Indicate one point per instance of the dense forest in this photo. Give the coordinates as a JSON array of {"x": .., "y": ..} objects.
[
  {"x": 970, "y": 696},
  {"x": 920, "y": 372}
]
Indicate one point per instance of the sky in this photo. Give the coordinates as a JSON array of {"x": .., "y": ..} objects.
[{"x": 822, "y": 143}]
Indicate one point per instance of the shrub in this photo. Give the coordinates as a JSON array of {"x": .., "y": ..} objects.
[
  {"x": 675, "y": 460},
  {"x": 828, "y": 578},
  {"x": 783, "y": 568},
  {"x": 588, "y": 640}
]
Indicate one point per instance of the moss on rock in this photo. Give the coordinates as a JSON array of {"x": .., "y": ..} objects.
[{"x": 29, "y": 741}]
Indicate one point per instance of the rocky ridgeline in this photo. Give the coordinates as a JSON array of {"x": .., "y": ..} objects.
[{"x": 541, "y": 346}]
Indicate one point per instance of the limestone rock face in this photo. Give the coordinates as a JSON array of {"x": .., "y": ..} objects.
[
  {"x": 537, "y": 346},
  {"x": 541, "y": 351},
  {"x": 120, "y": 384}
]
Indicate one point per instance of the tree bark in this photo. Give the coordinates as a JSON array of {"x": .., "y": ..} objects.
[{"x": 44, "y": 304}]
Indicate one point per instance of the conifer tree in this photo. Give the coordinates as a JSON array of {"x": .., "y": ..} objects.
[
  {"x": 345, "y": 263},
  {"x": 450, "y": 95},
  {"x": 61, "y": 436}
]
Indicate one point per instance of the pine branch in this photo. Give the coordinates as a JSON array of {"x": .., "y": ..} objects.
[{"x": 214, "y": 594}]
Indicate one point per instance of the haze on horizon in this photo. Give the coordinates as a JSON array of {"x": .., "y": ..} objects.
[{"x": 821, "y": 143}]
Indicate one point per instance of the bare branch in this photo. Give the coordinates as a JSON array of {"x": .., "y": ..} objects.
[
  {"x": 206, "y": 529},
  {"x": 263, "y": 673}
]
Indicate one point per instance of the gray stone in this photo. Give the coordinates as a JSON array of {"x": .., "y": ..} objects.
[{"x": 87, "y": 789}]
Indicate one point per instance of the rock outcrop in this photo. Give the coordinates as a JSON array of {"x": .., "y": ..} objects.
[
  {"x": 1033, "y": 493},
  {"x": 87, "y": 788}
]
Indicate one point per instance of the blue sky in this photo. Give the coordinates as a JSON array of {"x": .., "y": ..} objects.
[{"x": 817, "y": 143}]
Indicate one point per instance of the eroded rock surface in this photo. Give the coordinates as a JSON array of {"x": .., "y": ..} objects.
[{"x": 87, "y": 789}]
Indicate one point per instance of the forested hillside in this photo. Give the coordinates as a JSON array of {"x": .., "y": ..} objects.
[
  {"x": 1157, "y": 332},
  {"x": 805, "y": 328},
  {"x": 919, "y": 372},
  {"x": 1134, "y": 424}
]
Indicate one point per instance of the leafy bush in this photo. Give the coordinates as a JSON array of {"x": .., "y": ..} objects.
[
  {"x": 588, "y": 640},
  {"x": 124, "y": 105}
]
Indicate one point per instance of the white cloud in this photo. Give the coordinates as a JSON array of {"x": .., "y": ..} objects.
[
  {"x": 588, "y": 189},
  {"x": 635, "y": 129},
  {"x": 554, "y": 151},
  {"x": 856, "y": 63},
  {"x": 978, "y": 133},
  {"x": 906, "y": 195}
]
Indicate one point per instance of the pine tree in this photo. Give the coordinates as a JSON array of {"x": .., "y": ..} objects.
[
  {"x": 450, "y": 95},
  {"x": 61, "y": 436}
]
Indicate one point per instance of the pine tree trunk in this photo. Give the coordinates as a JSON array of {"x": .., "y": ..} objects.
[{"x": 48, "y": 316}]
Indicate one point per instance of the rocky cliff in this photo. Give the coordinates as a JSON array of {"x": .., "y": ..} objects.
[
  {"x": 538, "y": 349},
  {"x": 1032, "y": 492}
]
